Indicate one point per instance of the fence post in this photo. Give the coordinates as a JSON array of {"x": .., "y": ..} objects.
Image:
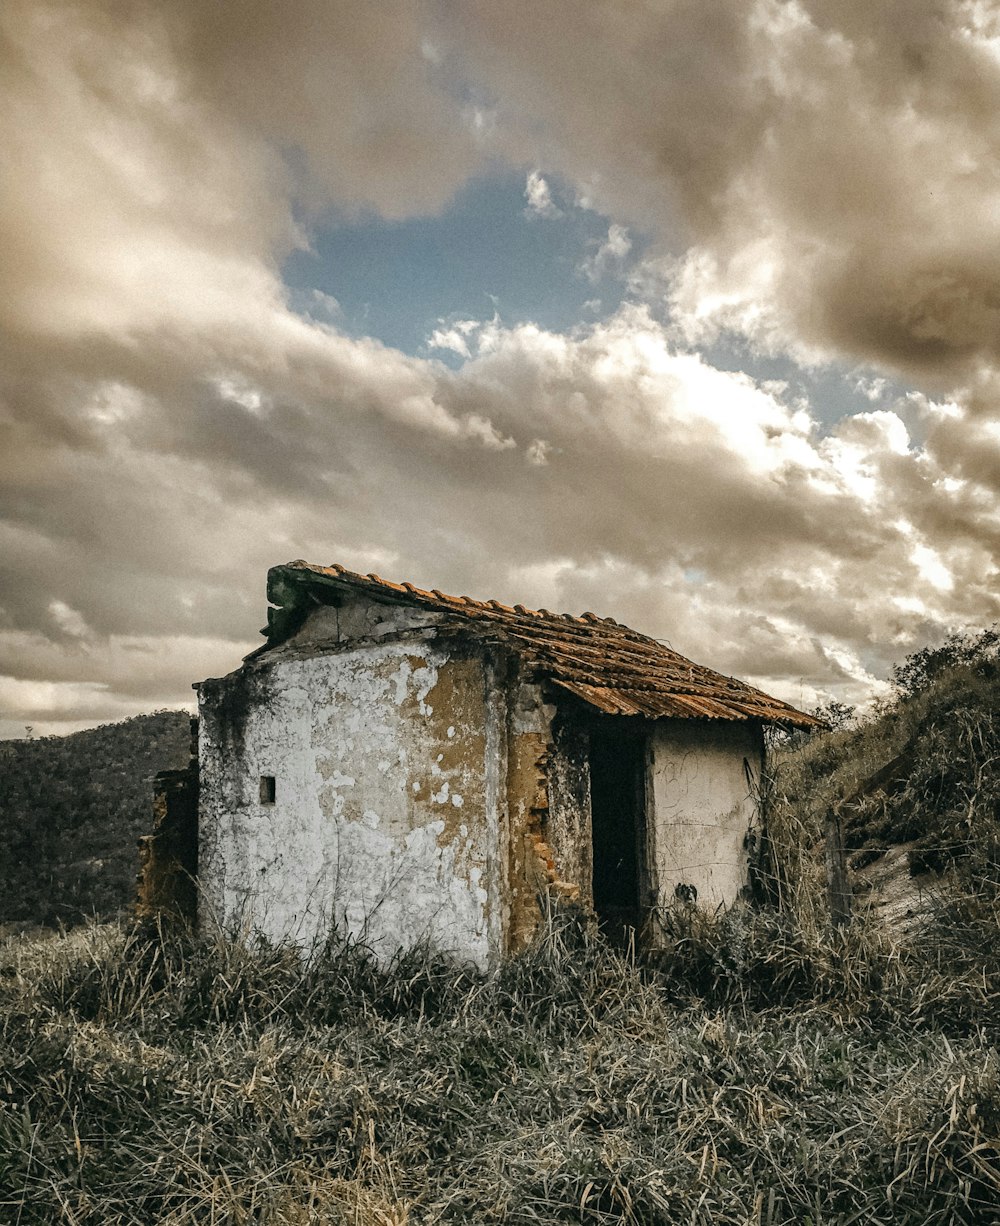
[{"x": 837, "y": 883}]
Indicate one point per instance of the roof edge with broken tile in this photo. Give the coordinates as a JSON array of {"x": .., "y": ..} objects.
[{"x": 640, "y": 674}]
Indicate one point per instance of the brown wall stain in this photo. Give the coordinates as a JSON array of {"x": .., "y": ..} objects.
[
  {"x": 527, "y": 802},
  {"x": 568, "y": 820},
  {"x": 457, "y": 700}
]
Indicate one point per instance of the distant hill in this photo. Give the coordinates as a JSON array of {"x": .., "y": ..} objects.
[{"x": 71, "y": 811}]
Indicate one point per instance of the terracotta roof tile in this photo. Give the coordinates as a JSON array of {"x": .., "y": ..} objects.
[{"x": 596, "y": 659}]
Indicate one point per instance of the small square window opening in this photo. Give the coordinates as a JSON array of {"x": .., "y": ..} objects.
[{"x": 267, "y": 790}]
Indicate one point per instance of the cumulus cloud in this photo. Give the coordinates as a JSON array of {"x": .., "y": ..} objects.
[
  {"x": 454, "y": 336},
  {"x": 539, "y": 198},
  {"x": 170, "y": 427},
  {"x": 610, "y": 256}
]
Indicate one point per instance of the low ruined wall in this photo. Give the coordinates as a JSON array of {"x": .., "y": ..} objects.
[
  {"x": 168, "y": 856},
  {"x": 702, "y": 807},
  {"x": 379, "y": 824}
]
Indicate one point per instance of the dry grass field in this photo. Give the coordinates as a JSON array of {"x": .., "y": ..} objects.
[{"x": 756, "y": 1076}]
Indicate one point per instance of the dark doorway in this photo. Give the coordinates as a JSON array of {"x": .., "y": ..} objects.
[{"x": 618, "y": 817}]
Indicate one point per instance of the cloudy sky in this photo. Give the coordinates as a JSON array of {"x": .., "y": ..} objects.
[{"x": 685, "y": 313}]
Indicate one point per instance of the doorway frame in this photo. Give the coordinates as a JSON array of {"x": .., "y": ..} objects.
[{"x": 634, "y": 731}]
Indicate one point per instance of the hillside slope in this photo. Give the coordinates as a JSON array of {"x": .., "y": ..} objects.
[
  {"x": 917, "y": 784},
  {"x": 71, "y": 810}
]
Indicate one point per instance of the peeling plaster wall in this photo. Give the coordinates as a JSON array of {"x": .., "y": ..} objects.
[
  {"x": 701, "y": 807},
  {"x": 381, "y": 822},
  {"x": 497, "y": 808},
  {"x": 547, "y": 810}
]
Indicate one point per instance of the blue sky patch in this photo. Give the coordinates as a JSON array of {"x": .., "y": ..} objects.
[{"x": 486, "y": 255}]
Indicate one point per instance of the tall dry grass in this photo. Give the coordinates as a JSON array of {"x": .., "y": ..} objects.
[{"x": 750, "y": 1076}]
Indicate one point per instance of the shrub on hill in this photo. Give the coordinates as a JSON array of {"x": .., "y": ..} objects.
[{"x": 71, "y": 811}]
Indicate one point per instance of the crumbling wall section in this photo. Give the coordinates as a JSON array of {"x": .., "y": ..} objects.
[
  {"x": 498, "y": 866},
  {"x": 355, "y": 617},
  {"x": 568, "y": 826},
  {"x": 349, "y": 788},
  {"x": 541, "y": 784},
  {"x": 168, "y": 856}
]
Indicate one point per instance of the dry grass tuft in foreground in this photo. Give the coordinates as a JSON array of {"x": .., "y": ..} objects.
[{"x": 756, "y": 1075}]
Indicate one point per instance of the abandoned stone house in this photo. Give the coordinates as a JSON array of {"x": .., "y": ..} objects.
[{"x": 413, "y": 766}]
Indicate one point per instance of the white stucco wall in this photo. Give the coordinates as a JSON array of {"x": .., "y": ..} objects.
[
  {"x": 701, "y": 807},
  {"x": 381, "y": 822}
]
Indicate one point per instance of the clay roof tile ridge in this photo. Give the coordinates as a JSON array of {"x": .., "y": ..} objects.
[{"x": 635, "y": 672}]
